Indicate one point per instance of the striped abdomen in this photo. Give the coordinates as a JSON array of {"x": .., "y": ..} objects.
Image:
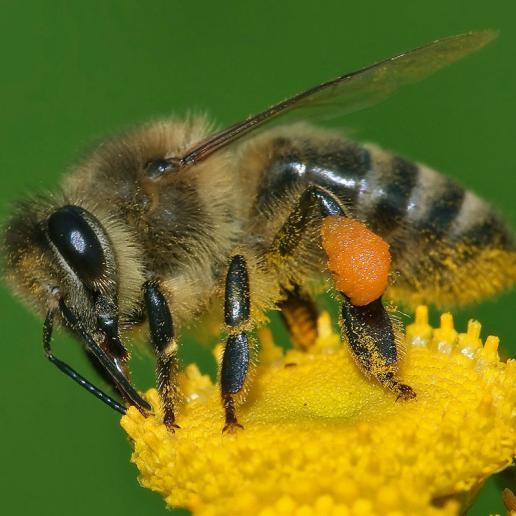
[{"x": 448, "y": 245}]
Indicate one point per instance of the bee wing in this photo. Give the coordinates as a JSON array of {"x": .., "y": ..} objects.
[{"x": 351, "y": 92}]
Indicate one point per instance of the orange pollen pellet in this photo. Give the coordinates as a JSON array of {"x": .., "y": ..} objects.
[{"x": 359, "y": 259}]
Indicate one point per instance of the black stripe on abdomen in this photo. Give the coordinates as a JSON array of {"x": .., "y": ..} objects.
[
  {"x": 489, "y": 231},
  {"x": 394, "y": 189},
  {"x": 343, "y": 171},
  {"x": 444, "y": 209},
  {"x": 340, "y": 166}
]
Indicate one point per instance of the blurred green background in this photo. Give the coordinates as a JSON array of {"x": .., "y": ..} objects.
[{"x": 73, "y": 72}]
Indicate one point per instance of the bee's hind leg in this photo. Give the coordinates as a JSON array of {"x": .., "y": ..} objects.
[
  {"x": 371, "y": 337},
  {"x": 367, "y": 327},
  {"x": 365, "y": 322},
  {"x": 299, "y": 313},
  {"x": 235, "y": 361},
  {"x": 165, "y": 346}
]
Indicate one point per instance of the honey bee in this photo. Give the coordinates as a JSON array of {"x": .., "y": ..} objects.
[{"x": 174, "y": 221}]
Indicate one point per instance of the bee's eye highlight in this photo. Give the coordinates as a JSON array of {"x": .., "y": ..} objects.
[
  {"x": 157, "y": 167},
  {"x": 77, "y": 243}
]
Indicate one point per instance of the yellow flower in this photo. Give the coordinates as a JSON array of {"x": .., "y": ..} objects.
[
  {"x": 509, "y": 499},
  {"x": 319, "y": 438}
]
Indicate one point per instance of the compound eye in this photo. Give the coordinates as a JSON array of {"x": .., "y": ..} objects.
[{"x": 77, "y": 243}]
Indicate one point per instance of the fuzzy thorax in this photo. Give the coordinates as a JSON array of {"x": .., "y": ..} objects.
[{"x": 321, "y": 439}]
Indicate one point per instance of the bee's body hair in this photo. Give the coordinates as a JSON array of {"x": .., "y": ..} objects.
[
  {"x": 443, "y": 238},
  {"x": 173, "y": 221},
  {"x": 185, "y": 232},
  {"x": 182, "y": 230}
]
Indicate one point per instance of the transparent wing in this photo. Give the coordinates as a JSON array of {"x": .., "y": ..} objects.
[{"x": 351, "y": 92}]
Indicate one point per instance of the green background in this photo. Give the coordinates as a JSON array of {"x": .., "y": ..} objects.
[{"x": 73, "y": 72}]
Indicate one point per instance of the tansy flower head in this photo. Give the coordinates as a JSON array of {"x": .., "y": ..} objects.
[
  {"x": 320, "y": 438},
  {"x": 509, "y": 499}
]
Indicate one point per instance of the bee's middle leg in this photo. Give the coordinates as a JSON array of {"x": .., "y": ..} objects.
[
  {"x": 235, "y": 361},
  {"x": 165, "y": 346}
]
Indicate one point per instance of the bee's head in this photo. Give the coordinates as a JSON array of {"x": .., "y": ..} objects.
[{"x": 61, "y": 258}]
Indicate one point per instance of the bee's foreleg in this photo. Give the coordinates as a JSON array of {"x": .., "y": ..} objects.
[
  {"x": 165, "y": 346},
  {"x": 235, "y": 361}
]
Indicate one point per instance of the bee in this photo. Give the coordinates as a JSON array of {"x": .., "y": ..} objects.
[{"x": 174, "y": 221}]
